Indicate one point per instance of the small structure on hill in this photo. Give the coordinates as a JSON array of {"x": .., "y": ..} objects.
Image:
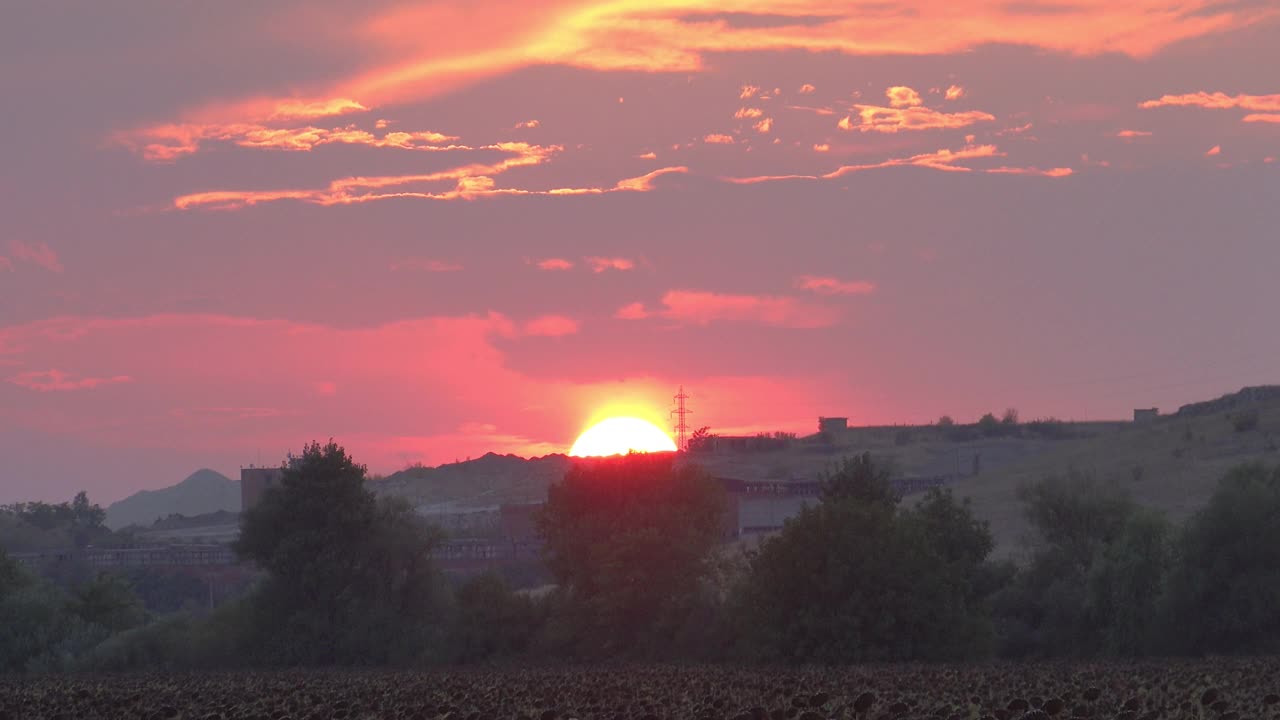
[
  {"x": 1145, "y": 415},
  {"x": 833, "y": 424}
]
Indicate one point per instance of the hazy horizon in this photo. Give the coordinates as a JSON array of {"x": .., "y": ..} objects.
[{"x": 234, "y": 229}]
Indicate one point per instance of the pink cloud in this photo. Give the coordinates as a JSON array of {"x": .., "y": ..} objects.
[
  {"x": 806, "y": 89},
  {"x": 955, "y": 92},
  {"x": 6, "y": 265},
  {"x": 551, "y": 326},
  {"x": 36, "y": 253},
  {"x": 555, "y": 264},
  {"x": 59, "y": 381},
  {"x": 601, "y": 264},
  {"x": 831, "y": 286},
  {"x": 748, "y": 92},
  {"x": 1262, "y": 118},
  {"x": 943, "y": 159},
  {"x": 698, "y": 307},
  {"x": 764, "y": 126},
  {"x": 527, "y": 125},
  {"x": 718, "y": 139},
  {"x": 1132, "y": 134},
  {"x": 1215, "y": 150},
  {"x": 821, "y": 147},
  {"x": 632, "y": 311},
  {"x": 426, "y": 265},
  {"x": 748, "y": 112}
]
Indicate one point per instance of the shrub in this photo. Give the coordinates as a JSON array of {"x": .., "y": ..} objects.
[{"x": 1245, "y": 420}]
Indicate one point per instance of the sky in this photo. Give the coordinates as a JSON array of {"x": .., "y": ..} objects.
[{"x": 431, "y": 230}]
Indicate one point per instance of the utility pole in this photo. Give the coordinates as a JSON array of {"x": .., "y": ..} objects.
[{"x": 680, "y": 413}]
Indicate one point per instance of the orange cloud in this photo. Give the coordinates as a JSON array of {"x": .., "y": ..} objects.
[
  {"x": 806, "y": 89},
  {"x": 902, "y": 97},
  {"x": 1060, "y": 172},
  {"x": 955, "y": 92},
  {"x": 631, "y": 35},
  {"x": 823, "y": 147},
  {"x": 831, "y": 286},
  {"x": 874, "y": 118},
  {"x": 169, "y": 142},
  {"x": 718, "y": 139},
  {"x": 944, "y": 159},
  {"x": 36, "y": 253},
  {"x": 648, "y": 156},
  {"x": 426, "y": 265},
  {"x": 1215, "y": 150},
  {"x": 1218, "y": 101},
  {"x": 1131, "y": 134},
  {"x": 555, "y": 264},
  {"x": 59, "y": 381},
  {"x": 551, "y": 326},
  {"x": 1262, "y": 118},
  {"x": 764, "y": 126},
  {"x": 602, "y": 264},
  {"x": 747, "y": 112},
  {"x": 702, "y": 308}
]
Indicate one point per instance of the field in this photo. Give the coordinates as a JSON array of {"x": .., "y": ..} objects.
[{"x": 1220, "y": 689}]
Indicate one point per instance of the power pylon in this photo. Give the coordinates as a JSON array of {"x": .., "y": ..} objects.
[{"x": 681, "y": 413}]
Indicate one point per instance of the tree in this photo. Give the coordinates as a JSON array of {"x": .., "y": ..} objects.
[
  {"x": 859, "y": 479},
  {"x": 989, "y": 425},
  {"x": 350, "y": 578},
  {"x": 1087, "y": 540},
  {"x": 1125, "y": 584},
  {"x": 857, "y": 578},
  {"x": 109, "y": 602},
  {"x": 631, "y": 539},
  {"x": 491, "y": 620},
  {"x": 1224, "y": 596},
  {"x": 946, "y": 421}
]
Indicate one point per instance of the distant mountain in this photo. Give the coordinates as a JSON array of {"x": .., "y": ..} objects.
[{"x": 204, "y": 491}]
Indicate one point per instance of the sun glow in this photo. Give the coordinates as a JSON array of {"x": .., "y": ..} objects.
[{"x": 621, "y": 435}]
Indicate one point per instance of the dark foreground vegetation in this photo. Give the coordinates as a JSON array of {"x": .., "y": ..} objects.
[
  {"x": 643, "y": 574},
  {"x": 1223, "y": 689}
]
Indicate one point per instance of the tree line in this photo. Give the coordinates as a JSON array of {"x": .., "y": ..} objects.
[{"x": 636, "y": 547}]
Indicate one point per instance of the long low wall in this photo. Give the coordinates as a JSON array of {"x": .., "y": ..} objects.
[{"x": 155, "y": 556}]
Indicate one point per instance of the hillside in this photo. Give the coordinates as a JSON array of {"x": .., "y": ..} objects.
[
  {"x": 202, "y": 492},
  {"x": 1172, "y": 464},
  {"x": 484, "y": 482}
]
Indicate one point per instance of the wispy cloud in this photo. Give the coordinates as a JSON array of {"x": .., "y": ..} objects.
[
  {"x": 874, "y": 118},
  {"x": 59, "y": 381},
  {"x": 6, "y": 265},
  {"x": 36, "y": 253},
  {"x": 824, "y": 285},
  {"x": 426, "y": 265},
  {"x": 944, "y": 159},
  {"x": 1217, "y": 101},
  {"x": 527, "y": 125},
  {"x": 1133, "y": 134},
  {"x": 602, "y": 264},
  {"x": 168, "y": 142},
  {"x": 1058, "y": 172},
  {"x": 718, "y": 139},
  {"x": 1215, "y": 150},
  {"x": 698, "y": 307}
]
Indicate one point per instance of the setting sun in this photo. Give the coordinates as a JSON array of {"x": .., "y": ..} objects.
[{"x": 621, "y": 435}]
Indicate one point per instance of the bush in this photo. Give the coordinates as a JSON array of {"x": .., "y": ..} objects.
[
  {"x": 1224, "y": 596},
  {"x": 815, "y": 592}
]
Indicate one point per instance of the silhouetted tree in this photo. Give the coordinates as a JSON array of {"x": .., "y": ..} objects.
[
  {"x": 631, "y": 539},
  {"x": 350, "y": 577}
]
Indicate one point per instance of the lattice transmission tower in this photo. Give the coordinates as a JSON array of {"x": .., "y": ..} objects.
[{"x": 681, "y": 413}]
